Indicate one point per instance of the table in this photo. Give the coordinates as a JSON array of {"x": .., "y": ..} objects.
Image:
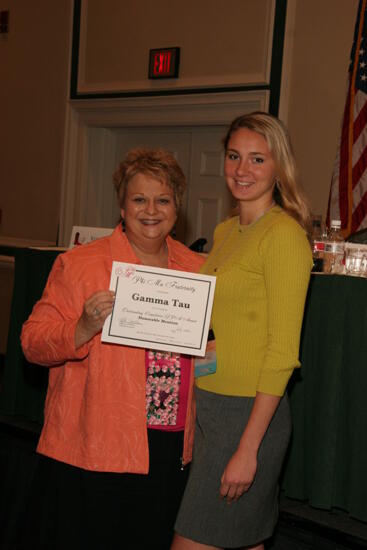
[
  {"x": 6, "y": 293},
  {"x": 24, "y": 385},
  {"x": 327, "y": 458}
]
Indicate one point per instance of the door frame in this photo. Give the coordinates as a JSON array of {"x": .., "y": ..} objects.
[{"x": 92, "y": 124}]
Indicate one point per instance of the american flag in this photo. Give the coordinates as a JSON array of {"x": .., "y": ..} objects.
[{"x": 348, "y": 192}]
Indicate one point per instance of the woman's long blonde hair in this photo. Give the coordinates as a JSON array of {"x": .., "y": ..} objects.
[{"x": 287, "y": 193}]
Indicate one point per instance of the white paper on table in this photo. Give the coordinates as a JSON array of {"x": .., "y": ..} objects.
[
  {"x": 81, "y": 234},
  {"x": 162, "y": 309}
]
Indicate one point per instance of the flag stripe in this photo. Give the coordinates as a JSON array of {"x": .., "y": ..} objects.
[
  {"x": 360, "y": 214},
  {"x": 348, "y": 190},
  {"x": 344, "y": 166},
  {"x": 359, "y": 167},
  {"x": 360, "y": 122}
]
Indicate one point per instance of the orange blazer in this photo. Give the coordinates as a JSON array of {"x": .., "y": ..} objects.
[{"x": 95, "y": 406}]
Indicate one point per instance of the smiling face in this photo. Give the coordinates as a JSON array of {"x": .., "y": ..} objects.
[
  {"x": 149, "y": 210},
  {"x": 250, "y": 171}
]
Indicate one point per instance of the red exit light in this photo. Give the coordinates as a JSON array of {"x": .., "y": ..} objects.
[
  {"x": 164, "y": 63},
  {"x": 161, "y": 63}
]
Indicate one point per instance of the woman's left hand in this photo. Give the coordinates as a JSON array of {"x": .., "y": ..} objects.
[
  {"x": 95, "y": 311},
  {"x": 238, "y": 475}
]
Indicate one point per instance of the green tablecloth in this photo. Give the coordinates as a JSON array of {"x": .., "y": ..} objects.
[
  {"x": 24, "y": 385},
  {"x": 327, "y": 460}
]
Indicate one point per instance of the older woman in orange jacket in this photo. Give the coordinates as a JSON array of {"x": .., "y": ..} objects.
[{"x": 104, "y": 480}]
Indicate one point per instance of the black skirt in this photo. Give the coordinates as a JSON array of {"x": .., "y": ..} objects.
[{"x": 74, "y": 508}]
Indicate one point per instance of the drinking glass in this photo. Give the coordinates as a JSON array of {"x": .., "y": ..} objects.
[
  {"x": 364, "y": 266},
  {"x": 355, "y": 262}
]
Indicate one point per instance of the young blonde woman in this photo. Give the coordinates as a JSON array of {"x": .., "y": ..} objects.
[{"x": 262, "y": 260}]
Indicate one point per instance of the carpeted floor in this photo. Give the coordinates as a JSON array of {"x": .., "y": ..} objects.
[{"x": 300, "y": 526}]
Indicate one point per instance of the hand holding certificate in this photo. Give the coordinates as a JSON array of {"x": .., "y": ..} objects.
[{"x": 158, "y": 308}]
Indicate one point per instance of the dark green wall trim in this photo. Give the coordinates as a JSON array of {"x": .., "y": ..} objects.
[
  {"x": 275, "y": 74},
  {"x": 75, "y": 50},
  {"x": 155, "y": 93},
  {"x": 277, "y": 56}
]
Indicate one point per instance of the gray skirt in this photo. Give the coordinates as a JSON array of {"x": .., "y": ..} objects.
[{"x": 204, "y": 517}]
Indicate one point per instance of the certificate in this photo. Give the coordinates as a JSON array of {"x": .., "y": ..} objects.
[{"x": 160, "y": 309}]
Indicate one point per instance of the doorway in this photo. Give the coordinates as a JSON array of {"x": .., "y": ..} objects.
[
  {"x": 199, "y": 152},
  {"x": 98, "y": 133}
]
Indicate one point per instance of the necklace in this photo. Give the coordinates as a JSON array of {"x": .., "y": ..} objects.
[
  {"x": 229, "y": 235},
  {"x": 158, "y": 260},
  {"x": 261, "y": 214}
]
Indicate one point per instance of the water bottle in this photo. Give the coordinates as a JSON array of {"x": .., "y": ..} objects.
[
  {"x": 318, "y": 243},
  {"x": 334, "y": 249}
]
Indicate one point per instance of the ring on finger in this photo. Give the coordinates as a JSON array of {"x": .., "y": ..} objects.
[{"x": 96, "y": 312}]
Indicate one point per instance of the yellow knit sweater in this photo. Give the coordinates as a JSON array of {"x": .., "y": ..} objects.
[{"x": 262, "y": 271}]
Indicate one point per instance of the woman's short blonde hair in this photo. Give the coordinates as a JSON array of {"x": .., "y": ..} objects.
[
  {"x": 157, "y": 163},
  {"x": 287, "y": 192}
]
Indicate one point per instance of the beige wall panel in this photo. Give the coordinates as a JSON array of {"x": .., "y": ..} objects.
[
  {"x": 34, "y": 60},
  {"x": 34, "y": 84},
  {"x": 317, "y": 89},
  {"x": 221, "y": 43}
]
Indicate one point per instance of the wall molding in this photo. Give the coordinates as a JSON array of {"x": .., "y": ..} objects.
[{"x": 266, "y": 78}]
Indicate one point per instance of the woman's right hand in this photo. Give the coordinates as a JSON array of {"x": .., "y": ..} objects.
[
  {"x": 95, "y": 311},
  {"x": 238, "y": 475}
]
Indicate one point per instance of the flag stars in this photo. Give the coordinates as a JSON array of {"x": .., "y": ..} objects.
[
  {"x": 363, "y": 77},
  {"x": 362, "y": 65},
  {"x": 361, "y": 51}
]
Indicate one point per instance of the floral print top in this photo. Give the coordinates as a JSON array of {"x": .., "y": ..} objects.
[{"x": 166, "y": 389}]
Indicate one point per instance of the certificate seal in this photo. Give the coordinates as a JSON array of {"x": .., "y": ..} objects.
[{"x": 126, "y": 272}]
